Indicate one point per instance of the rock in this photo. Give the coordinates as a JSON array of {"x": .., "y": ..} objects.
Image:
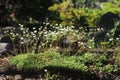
[
  {"x": 5, "y": 48},
  {"x": 14, "y": 45},
  {"x": 30, "y": 79},
  {"x": 18, "y": 77},
  {"x": 4, "y": 65},
  {"x": 2, "y": 77},
  {"x": 9, "y": 77},
  {"x": 107, "y": 20}
]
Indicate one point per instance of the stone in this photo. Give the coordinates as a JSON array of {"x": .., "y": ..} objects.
[
  {"x": 107, "y": 20},
  {"x": 18, "y": 77},
  {"x": 2, "y": 78},
  {"x": 9, "y": 77},
  {"x": 4, "y": 65},
  {"x": 12, "y": 46},
  {"x": 30, "y": 79},
  {"x": 5, "y": 48}
]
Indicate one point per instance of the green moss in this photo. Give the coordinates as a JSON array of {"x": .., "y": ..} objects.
[{"x": 86, "y": 62}]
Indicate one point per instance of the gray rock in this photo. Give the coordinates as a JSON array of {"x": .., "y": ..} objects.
[
  {"x": 2, "y": 77},
  {"x": 5, "y": 48}
]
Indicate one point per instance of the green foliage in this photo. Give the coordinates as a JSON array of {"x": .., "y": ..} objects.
[
  {"x": 70, "y": 15},
  {"x": 86, "y": 62},
  {"x": 65, "y": 11},
  {"x": 117, "y": 59},
  {"x": 109, "y": 7}
]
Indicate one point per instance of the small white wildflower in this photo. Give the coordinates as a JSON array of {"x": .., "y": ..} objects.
[
  {"x": 81, "y": 43},
  {"x": 98, "y": 29},
  {"x": 4, "y": 32},
  {"x": 72, "y": 26},
  {"x": 13, "y": 28},
  {"x": 21, "y": 25},
  {"x": 89, "y": 47},
  {"x": 17, "y": 34},
  {"x": 27, "y": 35},
  {"x": 21, "y": 38},
  {"x": 30, "y": 19},
  {"x": 21, "y": 28},
  {"x": 110, "y": 39},
  {"x": 35, "y": 31},
  {"x": 11, "y": 33},
  {"x": 102, "y": 29},
  {"x": 34, "y": 28},
  {"x": 117, "y": 38},
  {"x": 32, "y": 34},
  {"x": 43, "y": 22},
  {"x": 26, "y": 30},
  {"x": 39, "y": 29},
  {"x": 56, "y": 24},
  {"x": 51, "y": 25},
  {"x": 107, "y": 34},
  {"x": 23, "y": 32},
  {"x": 47, "y": 23},
  {"x": 45, "y": 32}
]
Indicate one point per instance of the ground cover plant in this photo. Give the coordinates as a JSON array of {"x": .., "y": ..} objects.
[{"x": 52, "y": 62}]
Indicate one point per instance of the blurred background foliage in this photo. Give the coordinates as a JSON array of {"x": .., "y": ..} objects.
[
  {"x": 20, "y": 11},
  {"x": 82, "y": 12},
  {"x": 85, "y": 13}
]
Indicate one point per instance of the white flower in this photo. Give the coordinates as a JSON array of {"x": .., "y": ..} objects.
[
  {"x": 43, "y": 22},
  {"x": 98, "y": 29},
  {"x": 47, "y": 23},
  {"x": 4, "y": 31},
  {"x": 89, "y": 47},
  {"x": 35, "y": 31},
  {"x": 72, "y": 26},
  {"x": 11, "y": 33},
  {"x": 30, "y": 19},
  {"x": 56, "y": 24},
  {"x": 21, "y": 25},
  {"x": 117, "y": 38},
  {"x": 21, "y": 28},
  {"x": 13, "y": 28},
  {"x": 23, "y": 32},
  {"x": 45, "y": 70},
  {"x": 110, "y": 39},
  {"x": 108, "y": 34},
  {"x": 81, "y": 43},
  {"x": 34, "y": 36},
  {"x": 39, "y": 29},
  {"x": 21, "y": 38},
  {"x": 34, "y": 28},
  {"x": 17, "y": 34},
  {"x": 27, "y": 35}
]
